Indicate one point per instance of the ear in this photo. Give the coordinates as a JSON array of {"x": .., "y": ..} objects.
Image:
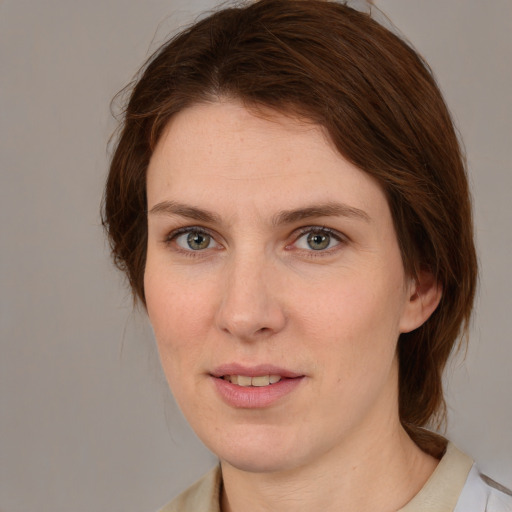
[{"x": 424, "y": 295}]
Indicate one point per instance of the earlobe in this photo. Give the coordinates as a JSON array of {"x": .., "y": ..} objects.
[{"x": 424, "y": 296}]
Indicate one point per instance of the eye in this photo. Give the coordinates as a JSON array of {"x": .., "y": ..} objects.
[
  {"x": 194, "y": 240},
  {"x": 318, "y": 239}
]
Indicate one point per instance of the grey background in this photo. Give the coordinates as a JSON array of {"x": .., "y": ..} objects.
[{"x": 86, "y": 420}]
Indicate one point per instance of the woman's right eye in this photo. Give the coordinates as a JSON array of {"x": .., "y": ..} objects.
[{"x": 194, "y": 240}]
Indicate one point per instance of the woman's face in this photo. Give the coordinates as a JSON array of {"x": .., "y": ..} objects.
[{"x": 272, "y": 258}]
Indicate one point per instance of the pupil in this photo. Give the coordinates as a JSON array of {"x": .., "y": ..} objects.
[
  {"x": 198, "y": 241},
  {"x": 317, "y": 241}
]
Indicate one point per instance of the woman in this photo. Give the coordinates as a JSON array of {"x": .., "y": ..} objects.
[{"x": 289, "y": 202}]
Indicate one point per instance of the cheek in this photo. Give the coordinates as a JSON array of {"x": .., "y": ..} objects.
[
  {"x": 358, "y": 319},
  {"x": 180, "y": 315}
]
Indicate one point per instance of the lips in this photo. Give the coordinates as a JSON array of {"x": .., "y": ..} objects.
[
  {"x": 254, "y": 387},
  {"x": 254, "y": 371},
  {"x": 246, "y": 381}
]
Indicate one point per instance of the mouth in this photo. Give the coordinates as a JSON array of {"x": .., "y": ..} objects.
[
  {"x": 253, "y": 376},
  {"x": 259, "y": 381},
  {"x": 255, "y": 386}
]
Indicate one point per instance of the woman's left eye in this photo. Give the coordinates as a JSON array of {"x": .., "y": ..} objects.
[{"x": 318, "y": 240}]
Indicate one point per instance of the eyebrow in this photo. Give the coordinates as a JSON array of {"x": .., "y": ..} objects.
[
  {"x": 183, "y": 210},
  {"x": 331, "y": 209}
]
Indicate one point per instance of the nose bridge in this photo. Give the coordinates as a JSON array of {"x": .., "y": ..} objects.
[{"x": 250, "y": 306}]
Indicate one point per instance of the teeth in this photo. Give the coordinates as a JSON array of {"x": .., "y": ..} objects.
[
  {"x": 245, "y": 381},
  {"x": 264, "y": 380}
]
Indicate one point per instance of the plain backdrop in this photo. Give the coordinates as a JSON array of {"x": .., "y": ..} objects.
[{"x": 87, "y": 422}]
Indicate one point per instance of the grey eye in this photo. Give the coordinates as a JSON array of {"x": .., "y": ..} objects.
[
  {"x": 194, "y": 240},
  {"x": 318, "y": 241}
]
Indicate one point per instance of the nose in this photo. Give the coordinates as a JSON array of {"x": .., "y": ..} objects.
[{"x": 250, "y": 307}]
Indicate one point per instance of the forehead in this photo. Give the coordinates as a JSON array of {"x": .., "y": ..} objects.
[
  {"x": 220, "y": 152},
  {"x": 227, "y": 131}
]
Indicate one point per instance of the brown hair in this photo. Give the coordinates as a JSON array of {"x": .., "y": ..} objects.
[{"x": 384, "y": 112}]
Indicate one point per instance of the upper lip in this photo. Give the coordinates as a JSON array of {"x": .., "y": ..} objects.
[{"x": 253, "y": 371}]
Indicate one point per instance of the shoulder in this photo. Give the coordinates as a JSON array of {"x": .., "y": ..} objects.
[
  {"x": 482, "y": 494},
  {"x": 203, "y": 496},
  {"x": 456, "y": 485}
]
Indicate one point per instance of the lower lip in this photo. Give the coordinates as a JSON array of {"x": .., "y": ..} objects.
[{"x": 253, "y": 397}]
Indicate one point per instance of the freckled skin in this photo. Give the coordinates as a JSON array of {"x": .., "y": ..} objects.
[{"x": 260, "y": 295}]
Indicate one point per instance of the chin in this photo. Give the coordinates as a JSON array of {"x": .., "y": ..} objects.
[
  {"x": 260, "y": 461},
  {"x": 261, "y": 451}
]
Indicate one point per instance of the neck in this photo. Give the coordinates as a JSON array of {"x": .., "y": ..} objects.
[{"x": 388, "y": 463}]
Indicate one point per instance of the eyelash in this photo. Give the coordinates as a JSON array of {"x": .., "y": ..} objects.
[
  {"x": 171, "y": 239},
  {"x": 297, "y": 235},
  {"x": 319, "y": 230}
]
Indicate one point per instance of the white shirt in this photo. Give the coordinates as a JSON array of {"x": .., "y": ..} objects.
[{"x": 480, "y": 493}]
